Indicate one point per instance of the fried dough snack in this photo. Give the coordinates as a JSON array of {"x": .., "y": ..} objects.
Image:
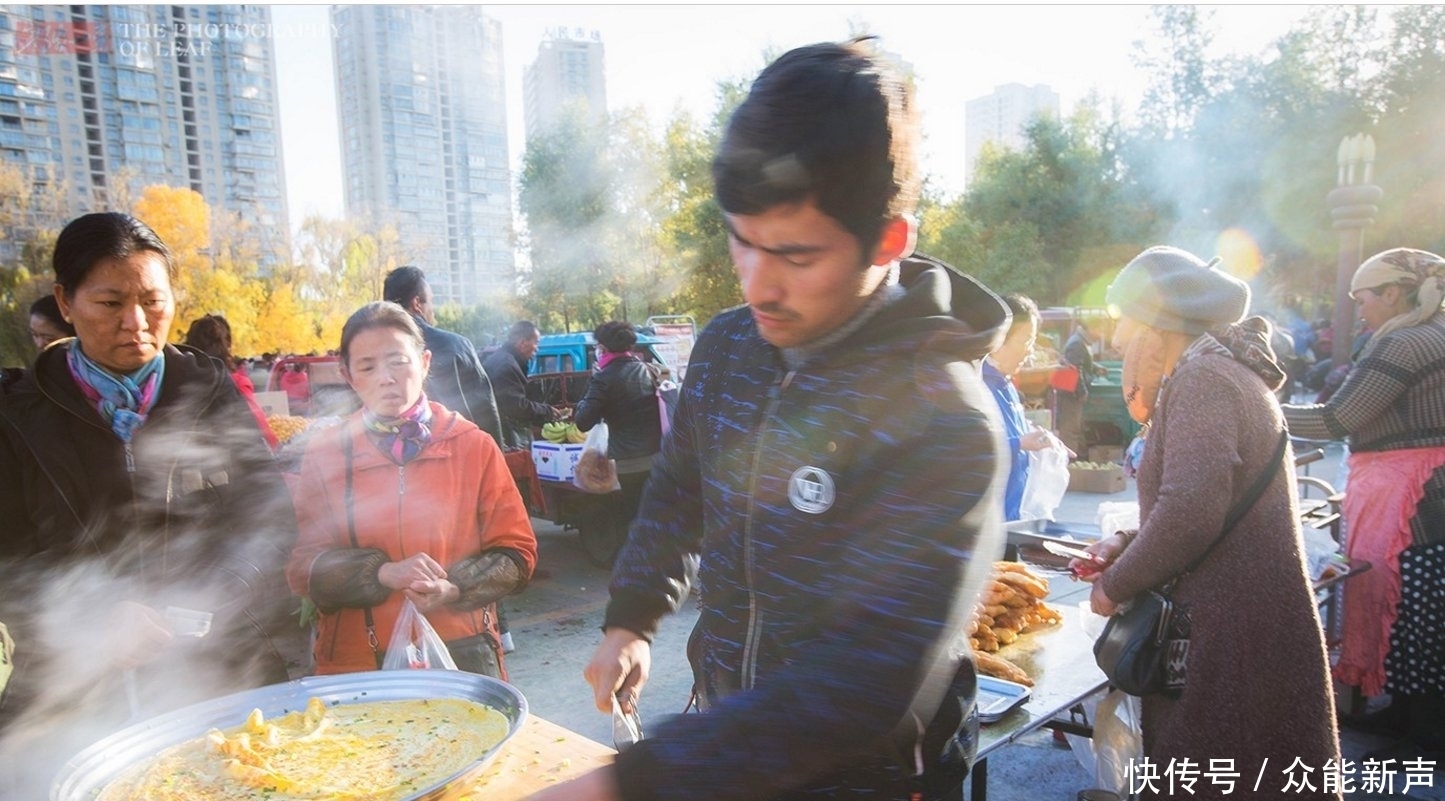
[
  {"x": 998, "y": 667},
  {"x": 1012, "y": 604}
]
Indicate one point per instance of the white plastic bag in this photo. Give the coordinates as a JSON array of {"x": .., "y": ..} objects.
[
  {"x": 596, "y": 473},
  {"x": 414, "y": 644},
  {"x": 1048, "y": 480},
  {"x": 1118, "y": 740},
  {"x": 1115, "y": 516}
]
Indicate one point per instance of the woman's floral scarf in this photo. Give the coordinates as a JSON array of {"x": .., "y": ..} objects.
[{"x": 401, "y": 438}]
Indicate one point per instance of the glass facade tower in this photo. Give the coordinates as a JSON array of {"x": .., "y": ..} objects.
[
  {"x": 423, "y": 121},
  {"x": 94, "y": 96}
]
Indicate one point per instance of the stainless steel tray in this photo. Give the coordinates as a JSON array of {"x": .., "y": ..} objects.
[
  {"x": 997, "y": 698},
  {"x": 88, "y": 772}
]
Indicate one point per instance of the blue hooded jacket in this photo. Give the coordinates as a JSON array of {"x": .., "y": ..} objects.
[
  {"x": 1015, "y": 425},
  {"x": 846, "y": 514}
]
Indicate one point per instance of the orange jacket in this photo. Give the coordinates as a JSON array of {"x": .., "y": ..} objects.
[{"x": 454, "y": 500}]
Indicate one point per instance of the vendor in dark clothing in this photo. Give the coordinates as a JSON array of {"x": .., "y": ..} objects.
[
  {"x": 507, "y": 368},
  {"x": 832, "y": 472},
  {"x": 623, "y": 394}
]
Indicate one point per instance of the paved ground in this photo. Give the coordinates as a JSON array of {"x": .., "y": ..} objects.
[{"x": 556, "y": 621}]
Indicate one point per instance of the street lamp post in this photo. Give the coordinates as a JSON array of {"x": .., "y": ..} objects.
[{"x": 1353, "y": 205}]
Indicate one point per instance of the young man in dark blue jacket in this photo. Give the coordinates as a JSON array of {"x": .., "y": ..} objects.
[{"x": 834, "y": 463}]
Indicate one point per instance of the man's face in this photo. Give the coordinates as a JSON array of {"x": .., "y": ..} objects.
[
  {"x": 802, "y": 274},
  {"x": 1017, "y": 347},
  {"x": 527, "y": 348},
  {"x": 421, "y": 305}
]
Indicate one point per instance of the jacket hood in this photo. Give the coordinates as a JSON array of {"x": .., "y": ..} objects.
[{"x": 960, "y": 316}]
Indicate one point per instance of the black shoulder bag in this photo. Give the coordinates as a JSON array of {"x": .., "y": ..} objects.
[{"x": 1135, "y": 651}]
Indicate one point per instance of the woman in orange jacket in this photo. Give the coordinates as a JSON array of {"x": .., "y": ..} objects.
[{"x": 406, "y": 500}]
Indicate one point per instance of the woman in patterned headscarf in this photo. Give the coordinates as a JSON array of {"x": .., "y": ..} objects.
[{"x": 1392, "y": 410}]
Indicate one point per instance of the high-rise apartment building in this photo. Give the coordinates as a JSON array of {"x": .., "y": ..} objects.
[
  {"x": 1003, "y": 117},
  {"x": 423, "y": 119},
  {"x": 569, "y": 69},
  {"x": 95, "y": 95}
]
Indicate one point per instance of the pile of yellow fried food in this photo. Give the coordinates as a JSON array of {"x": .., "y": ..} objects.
[
  {"x": 286, "y": 426},
  {"x": 373, "y": 751},
  {"x": 1012, "y": 604}
]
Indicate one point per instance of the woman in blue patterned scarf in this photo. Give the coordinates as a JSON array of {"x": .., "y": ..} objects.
[{"x": 133, "y": 483}]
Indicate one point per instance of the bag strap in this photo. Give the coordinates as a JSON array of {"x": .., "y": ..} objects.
[
  {"x": 351, "y": 531},
  {"x": 1239, "y": 510}
]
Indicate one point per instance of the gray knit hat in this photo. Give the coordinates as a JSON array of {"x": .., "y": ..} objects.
[{"x": 1174, "y": 290}]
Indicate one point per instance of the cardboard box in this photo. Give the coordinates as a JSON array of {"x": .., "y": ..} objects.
[
  {"x": 555, "y": 461},
  {"x": 273, "y": 403},
  {"x": 1106, "y": 453},
  {"x": 1110, "y": 479}
]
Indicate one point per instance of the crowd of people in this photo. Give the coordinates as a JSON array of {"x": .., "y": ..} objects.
[{"x": 834, "y": 480}]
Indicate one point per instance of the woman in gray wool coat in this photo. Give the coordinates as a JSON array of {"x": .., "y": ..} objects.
[{"x": 1256, "y": 686}]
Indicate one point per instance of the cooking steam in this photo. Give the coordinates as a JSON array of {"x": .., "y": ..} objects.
[{"x": 73, "y": 608}]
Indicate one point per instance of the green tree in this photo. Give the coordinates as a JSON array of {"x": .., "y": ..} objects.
[
  {"x": 1042, "y": 220},
  {"x": 1410, "y": 165},
  {"x": 566, "y": 194},
  {"x": 1176, "y": 57}
]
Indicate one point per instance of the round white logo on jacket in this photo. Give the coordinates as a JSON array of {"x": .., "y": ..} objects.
[{"x": 811, "y": 490}]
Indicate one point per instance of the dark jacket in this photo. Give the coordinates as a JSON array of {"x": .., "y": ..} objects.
[
  {"x": 203, "y": 522},
  {"x": 457, "y": 381},
  {"x": 1078, "y": 353},
  {"x": 624, "y": 394},
  {"x": 845, "y": 514},
  {"x": 508, "y": 372}
]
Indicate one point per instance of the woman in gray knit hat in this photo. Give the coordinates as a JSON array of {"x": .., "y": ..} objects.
[
  {"x": 1253, "y": 684},
  {"x": 1392, "y": 409}
]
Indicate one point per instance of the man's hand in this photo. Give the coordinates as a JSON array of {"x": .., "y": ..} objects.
[
  {"x": 618, "y": 669},
  {"x": 1035, "y": 440},
  {"x": 401, "y": 575}
]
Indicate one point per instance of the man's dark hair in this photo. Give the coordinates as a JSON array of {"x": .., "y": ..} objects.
[
  {"x": 403, "y": 284},
  {"x": 616, "y": 336},
  {"x": 522, "y": 330},
  {"x": 1022, "y": 307},
  {"x": 834, "y": 123}
]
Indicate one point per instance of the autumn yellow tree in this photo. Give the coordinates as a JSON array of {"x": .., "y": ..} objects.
[
  {"x": 217, "y": 268},
  {"x": 286, "y": 325}
]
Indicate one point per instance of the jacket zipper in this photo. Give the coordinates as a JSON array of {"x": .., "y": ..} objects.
[
  {"x": 750, "y": 641},
  {"x": 400, "y": 501}
]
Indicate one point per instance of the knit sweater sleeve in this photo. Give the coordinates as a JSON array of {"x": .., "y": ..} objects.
[
  {"x": 1200, "y": 448},
  {"x": 1372, "y": 386}
]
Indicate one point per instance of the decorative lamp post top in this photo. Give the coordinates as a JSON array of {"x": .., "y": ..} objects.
[{"x": 1356, "y": 156}]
